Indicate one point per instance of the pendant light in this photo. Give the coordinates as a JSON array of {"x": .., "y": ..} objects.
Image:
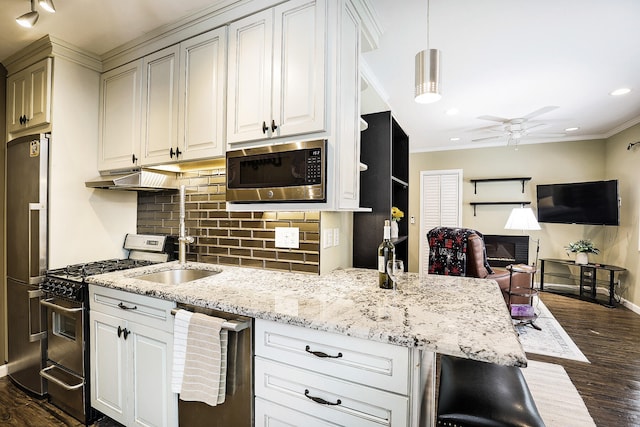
[
  {"x": 29, "y": 19},
  {"x": 427, "y": 73}
]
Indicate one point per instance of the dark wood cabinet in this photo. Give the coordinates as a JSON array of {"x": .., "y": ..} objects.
[{"x": 385, "y": 183}]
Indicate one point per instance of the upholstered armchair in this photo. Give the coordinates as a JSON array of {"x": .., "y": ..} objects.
[{"x": 461, "y": 252}]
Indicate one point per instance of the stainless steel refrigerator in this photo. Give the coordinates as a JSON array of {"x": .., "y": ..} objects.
[{"x": 27, "y": 167}]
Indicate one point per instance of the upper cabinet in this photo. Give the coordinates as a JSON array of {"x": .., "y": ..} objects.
[
  {"x": 276, "y": 72},
  {"x": 29, "y": 97},
  {"x": 166, "y": 107},
  {"x": 119, "y": 132}
]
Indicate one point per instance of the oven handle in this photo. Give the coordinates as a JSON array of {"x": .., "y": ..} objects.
[
  {"x": 38, "y": 335},
  {"x": 47, "y": 302},
  {"x": 44, "y": 373}
]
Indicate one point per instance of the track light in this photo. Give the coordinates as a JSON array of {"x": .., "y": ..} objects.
[
  {"x": 29, "y": 19},
  {"x": 48, "y": 6}
]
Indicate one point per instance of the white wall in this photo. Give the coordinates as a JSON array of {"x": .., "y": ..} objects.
[{"x": 84, "y": 224}]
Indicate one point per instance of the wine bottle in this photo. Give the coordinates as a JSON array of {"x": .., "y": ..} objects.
[{"x": 386, "y": 252}]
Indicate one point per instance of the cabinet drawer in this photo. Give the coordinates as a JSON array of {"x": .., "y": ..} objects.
[
  {"x": 269, "y": 414},
  {"x": 376, "y": 364},
  {"x": 349, "y": 404},
  {"x": 145, "y": 310}
]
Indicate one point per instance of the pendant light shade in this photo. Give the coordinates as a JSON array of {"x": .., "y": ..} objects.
[{"x": 427, "y": 76}]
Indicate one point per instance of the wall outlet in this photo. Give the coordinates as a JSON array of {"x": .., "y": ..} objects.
[
  {"x": 327, "y": 240},
  {"x": 287, "y": 237}
]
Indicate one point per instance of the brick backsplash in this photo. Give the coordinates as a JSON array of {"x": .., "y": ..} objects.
[{"x": 244, "y": 239}]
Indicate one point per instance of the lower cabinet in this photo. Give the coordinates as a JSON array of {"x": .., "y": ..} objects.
[
  {"x": 329, "y": 379},
  {"x": 131, "y": 356}
]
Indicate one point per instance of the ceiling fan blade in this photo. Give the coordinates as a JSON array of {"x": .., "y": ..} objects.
[
  {"x": 486, "y": 138},
  {"x": 546, "y": 135},
  {"x": 540, "y": 112},
  {"x": 494, "y": 119}
]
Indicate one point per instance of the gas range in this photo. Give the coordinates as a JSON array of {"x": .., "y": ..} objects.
[{"x": 69, "y": 282}]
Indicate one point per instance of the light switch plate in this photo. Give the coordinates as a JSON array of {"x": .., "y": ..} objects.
[
  {"x": 287, "y": 237},
  {"x": 327, "y": 238},
  {"x": 336, "y": 237}
]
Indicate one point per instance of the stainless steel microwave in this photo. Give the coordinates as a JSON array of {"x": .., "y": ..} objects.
[{"x": 292, "y": 172}]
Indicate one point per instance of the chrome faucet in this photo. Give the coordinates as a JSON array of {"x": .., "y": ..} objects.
[{"x": 183, "y": 239}]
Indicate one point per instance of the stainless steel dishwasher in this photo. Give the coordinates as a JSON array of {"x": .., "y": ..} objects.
[{"x": 237, "y": 409}]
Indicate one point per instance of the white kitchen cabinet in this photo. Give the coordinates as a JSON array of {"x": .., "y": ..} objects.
[
  {"x": 119, "y": 131},
  {"x": 276, "y": 72},
  {"x": 160, "y": 106},
  {"x": 202, "y": 95},
  {"x": 334, "y": 378},
  {"x": 131, "y": 356},
  {"x": 29, "y": 97}
]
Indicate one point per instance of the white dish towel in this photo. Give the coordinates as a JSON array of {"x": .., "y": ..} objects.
[{"x": 199, "y": 371}]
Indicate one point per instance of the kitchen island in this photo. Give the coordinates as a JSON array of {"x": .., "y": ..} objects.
[{"x": 457, "y": 316}]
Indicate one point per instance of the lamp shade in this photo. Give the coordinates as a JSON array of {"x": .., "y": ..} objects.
[
  {"x": 427, "y": 77},
  {"x": 48, "y": 5},
  {"x": 28, "y": 20},
  {"x": 522, "y": 219}
]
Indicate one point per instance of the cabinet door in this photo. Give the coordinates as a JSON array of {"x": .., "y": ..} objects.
[
  {"x": 202, "y": 95},
  {"x": 249, "y": 77},
  {"x": 299, "y": 67},
  {"x": 160, "y": 106},
  {"x": 153, "y": 402},
  {"x": 16, "y": 101},
  {"x": 348, "y": 130},
  {"x": 120, "y": 97},
  {"x": 108, "y": 366}
]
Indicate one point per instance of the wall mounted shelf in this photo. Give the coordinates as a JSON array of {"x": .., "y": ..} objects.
[
  {"x": 475, "y": 204},
  {"x": 476, "y": 181}
]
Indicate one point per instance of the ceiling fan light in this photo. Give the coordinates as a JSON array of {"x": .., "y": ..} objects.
[
  {"x": 47, "y": 5},
  {"x": 427, "y": 77},
  {"x": 28, "y": 20}
]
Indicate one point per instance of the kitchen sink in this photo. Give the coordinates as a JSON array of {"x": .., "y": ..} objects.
[{"x": 177, "y": 276}]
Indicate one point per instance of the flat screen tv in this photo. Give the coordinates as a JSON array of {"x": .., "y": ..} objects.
[{"x": 594, "y": 203}]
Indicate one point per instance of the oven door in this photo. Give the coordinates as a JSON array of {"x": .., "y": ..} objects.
[{"x": 65, "y": 334}]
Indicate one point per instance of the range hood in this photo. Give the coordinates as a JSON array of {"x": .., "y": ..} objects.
[{"x": 136, "y": 180}]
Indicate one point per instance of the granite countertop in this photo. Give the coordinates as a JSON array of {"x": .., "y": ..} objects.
[{"x": 458, "y": 316}]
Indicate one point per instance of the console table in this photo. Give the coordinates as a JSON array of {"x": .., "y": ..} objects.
[{"x": 587, "y": 278}]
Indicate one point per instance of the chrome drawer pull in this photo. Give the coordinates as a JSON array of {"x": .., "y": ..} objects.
[
  {"x": 125, "y": 307},
  {"x": 321, "y": 354},
  {"x": 321, "y": 400}
]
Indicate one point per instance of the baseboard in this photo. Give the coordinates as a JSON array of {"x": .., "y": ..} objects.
[
  {"x": 631, "y": 306},
  {"x": 3, "y": 370}
]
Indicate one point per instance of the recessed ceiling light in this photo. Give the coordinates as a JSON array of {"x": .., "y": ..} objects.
[
  {"x": 621, "y": 91},
  {"x": 452, "y": 111},
  {"x": 571, "y": 129},
  {"x": 455, "y": 138}
]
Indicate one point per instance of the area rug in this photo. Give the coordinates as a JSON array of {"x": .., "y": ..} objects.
[
  {"x": 557, "y": 399},
  {"x": 552, "y": 340}
]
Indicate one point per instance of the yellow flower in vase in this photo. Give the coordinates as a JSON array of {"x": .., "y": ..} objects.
[{"x": 396, "y": 214}]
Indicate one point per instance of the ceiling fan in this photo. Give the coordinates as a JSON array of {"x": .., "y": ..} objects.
[{"x": 517, "y": 128}]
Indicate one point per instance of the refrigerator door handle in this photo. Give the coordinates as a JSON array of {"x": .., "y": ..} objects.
[
  {"x": 41, "y": 334},
  {"x": 34, "y": 280}
]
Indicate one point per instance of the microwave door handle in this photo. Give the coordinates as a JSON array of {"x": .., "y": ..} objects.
[
  {"x": 37, "y": 336},
  {"x": 39, "y": 208}
]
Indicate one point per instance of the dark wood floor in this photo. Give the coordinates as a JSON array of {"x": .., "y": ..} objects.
[
  {"x": 609, "y": 385},
  {"x": 610, "y": 339}
]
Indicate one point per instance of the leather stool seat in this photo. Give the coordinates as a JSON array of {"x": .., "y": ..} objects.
[{"x": 483, "y": 394}]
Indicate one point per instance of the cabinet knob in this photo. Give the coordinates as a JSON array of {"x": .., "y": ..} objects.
[
  {"x": 264, "y": 127},
  {"x": 177, "y": 153},
  {"x": 273, "y": 126},
  {"x": 134, "y": 159}
]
